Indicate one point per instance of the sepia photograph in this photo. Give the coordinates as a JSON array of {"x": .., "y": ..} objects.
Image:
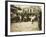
[{"x": 25, "y": 18}]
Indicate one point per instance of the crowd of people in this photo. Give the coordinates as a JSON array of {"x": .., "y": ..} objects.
[{"x": 23, "y": 17}]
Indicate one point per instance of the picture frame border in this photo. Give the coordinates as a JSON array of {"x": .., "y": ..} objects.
[{"x": 6, "y": 18}]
